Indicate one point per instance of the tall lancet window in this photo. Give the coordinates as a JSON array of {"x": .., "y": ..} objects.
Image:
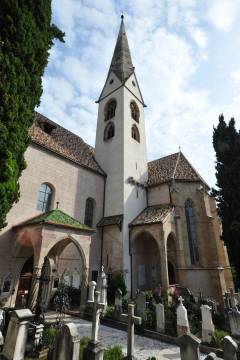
[
  {"x": 110, "y": 109},
  {"x": 44, "y": 198},
  {"x": 135, "y": 133},
  {"x": 192, "y": 233},
  {"x": 88, "y": 219},
  {"x": 134, "y": 111},
  {"x": 109, "y": 131}
]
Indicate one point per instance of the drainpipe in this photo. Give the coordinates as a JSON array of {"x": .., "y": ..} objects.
[{"x": 130, "y": 254}]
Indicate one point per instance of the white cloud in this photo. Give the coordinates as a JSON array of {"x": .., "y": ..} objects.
[
  {"x": 223, "y": 13},
  {"x": 235, "y": 75}
]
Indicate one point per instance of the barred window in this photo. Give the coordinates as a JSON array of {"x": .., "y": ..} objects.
[
  {"x": 135, "y": 133},
  {"x": 44, "y": 198},
  {"x": 110, "y": 108},
  {"x": 134, "y": 111},
  {"x": 88, "y": 219}
]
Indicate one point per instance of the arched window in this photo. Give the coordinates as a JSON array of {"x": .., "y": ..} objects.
[
  {"x": 44, "y": 198},
  {"x": 134, "y": 111},
  {"x": 110, "y": 108},
  {"x": 88, "y": 219},
  {"x": 135, "y": 133},
  {"x": 109, "y": 131},
  {"x": 191, "y": 228}
]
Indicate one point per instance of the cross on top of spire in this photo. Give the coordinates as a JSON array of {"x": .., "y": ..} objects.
[{"x": 121, "y": 63}]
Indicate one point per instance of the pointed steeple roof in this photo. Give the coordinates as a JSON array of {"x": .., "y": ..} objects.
[{"x": 121, "y": 63}]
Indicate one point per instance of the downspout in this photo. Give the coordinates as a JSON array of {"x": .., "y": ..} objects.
[
  {"x": 130, "y": 254},
  {"x": 102, "y": 229}
]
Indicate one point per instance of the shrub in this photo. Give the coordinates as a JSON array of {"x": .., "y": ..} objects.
[
  {"x": 49, "y": 335},
  {"x": 170, "y": 320},
  {"x": 150, "y": 319},
  {"x": 125, "y": 303},
  {"x": 83, "y": 344},
  {"x": 74, "y": 295},
  {"x": 88, "y": 310},
  {"x": 217, "y": 337},
  {"x": 117, "y": 281},
  {"x": 109, "y": 312},
  {"x": 113, "y": 353}
]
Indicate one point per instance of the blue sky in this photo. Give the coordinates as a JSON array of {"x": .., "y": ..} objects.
[{"x": 187, "y": 60}]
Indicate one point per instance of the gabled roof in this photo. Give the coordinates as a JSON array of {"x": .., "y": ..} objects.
[
  {"x": 172, "y": 167},
  {"x": 121, "y": 63},
  {"x": 63, "y": 142},
  {"x": 58, "y": 218},
  {"x": 111, "y": 220},
  {"x": 152, "y": 215}
]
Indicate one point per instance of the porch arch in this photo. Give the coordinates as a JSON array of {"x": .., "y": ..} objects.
[{"x": 146, "y": 269}]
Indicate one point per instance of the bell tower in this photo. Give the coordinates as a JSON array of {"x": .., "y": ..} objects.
[{"x": 120, "y": 150}]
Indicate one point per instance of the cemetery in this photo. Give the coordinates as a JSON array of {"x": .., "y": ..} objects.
[{"x": 199, "y": 327}]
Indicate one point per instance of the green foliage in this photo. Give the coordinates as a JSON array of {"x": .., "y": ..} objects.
[
  {"x": 170, "y": 320},
  {"x": 150, "y": 319},
  {"x": 113, "y": 353},
  {"x": 117, "y": 281},
  {"x": 226, "y": 143},
  {"x": 217, "y": 337},
  {"x": 74, "y": 295},
  {"x": 83, "y": 344},
  {"x": 88, "y": 310},
  {"x": 125, "y": 303},
  {"x": 49, "y": 334},
  {"x": 108, "y": 313},
  {"x": 26, "y": 36}
]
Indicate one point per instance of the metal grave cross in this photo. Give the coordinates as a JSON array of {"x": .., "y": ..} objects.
[{"x": 132, "y": 320}]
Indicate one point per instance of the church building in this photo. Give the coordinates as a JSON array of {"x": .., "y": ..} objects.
[{"x": 83, "y": 207}]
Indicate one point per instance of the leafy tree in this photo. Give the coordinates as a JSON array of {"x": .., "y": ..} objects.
[
  {"x": 26, "y": 36},
  {"x": 226, "y": 142}
]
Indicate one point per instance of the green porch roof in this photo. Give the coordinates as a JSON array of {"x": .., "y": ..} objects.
[{"x": 58, "y": 218}]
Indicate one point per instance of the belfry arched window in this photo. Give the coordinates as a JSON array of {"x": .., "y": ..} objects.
[
  {"x": 135, "y": 133},
  {"x": 191, "y": 229},
  {"x": 44, "y": 198},
  {"x": 134, "y": 111},
  {"x": 88, "y": 219},
  {"x": 110, "y": 109},
  {"x": 109, "y": 131}
]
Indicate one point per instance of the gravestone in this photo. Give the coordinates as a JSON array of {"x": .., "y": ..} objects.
[
  {"x": 189, "y": 347},
  {"x": 234, "y": 321},
  {"x": 182, "y": 319},
  {"x": 229, "y": 348},
  {"x": 92, "y": 286},
  {"x": 141, "y": 305},
  {"x": 16, "y": 338},
  {"x": 211, "y": 356},
  {"x": 160, "y": 318},
  {"x": 233, "y": 300},
  {"x": 102, "y": 286},
  {"x": 207, "y": 323},
  {"x": 67, "y": 344},
  {"x": 131, "y": 320},
  {"x": 118, "y": 304}
]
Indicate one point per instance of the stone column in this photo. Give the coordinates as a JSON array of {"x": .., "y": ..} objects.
[{"x": 164, "y": 264}]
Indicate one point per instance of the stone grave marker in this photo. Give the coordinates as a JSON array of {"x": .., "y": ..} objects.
[
  {"x": 141, "y": 305},
  {"x": 233, "y": 300},
  {"x": 131, "y": 320},
  {"x": 16, "y": 338},
  {"x": 67, "y": 344},
  {"x": 160, "y": 318},
  {"x": 189, "y": 347},
  {"x": 229, "y": 348},
  {"x": 102, "y": 286},
  {"x": 118, "y": 304},
  {"x": 207, "y": 323},
  {"x": 94, "y": 350},
  {"x": 182, "y": 319},
  {"x": 234, "y": 321}
]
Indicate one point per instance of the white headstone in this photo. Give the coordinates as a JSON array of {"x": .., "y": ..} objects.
[
  {"x": 92, "y": 286},
  {"x": 207, "y": 323},
  {"x": 160, "y": 318},
  {"x": 182, "y": 319},
  {"x": 234, "y": 320},
  {"x": 102, "y": 286},
  {"x": 16, "y": 338},
  {"x": 229, "y": 348},
  {"x": 67, "y": 345}
]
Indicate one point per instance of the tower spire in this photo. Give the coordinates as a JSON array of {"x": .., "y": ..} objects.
[{"x": 121, "y": 63}]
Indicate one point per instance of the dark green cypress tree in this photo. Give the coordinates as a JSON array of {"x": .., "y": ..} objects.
[
  {"x": 226, "y": 142},
  {"x": 26, "y": 35}
]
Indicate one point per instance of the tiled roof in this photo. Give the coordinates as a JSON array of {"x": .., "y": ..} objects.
[
  {"x": 174, "y": 166},
  {"x": 58, "y": 218},
  {"x": 111, "y": 220},
  {"x": 152, "y": 214},
  {"x": 63, "y": 142}
]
